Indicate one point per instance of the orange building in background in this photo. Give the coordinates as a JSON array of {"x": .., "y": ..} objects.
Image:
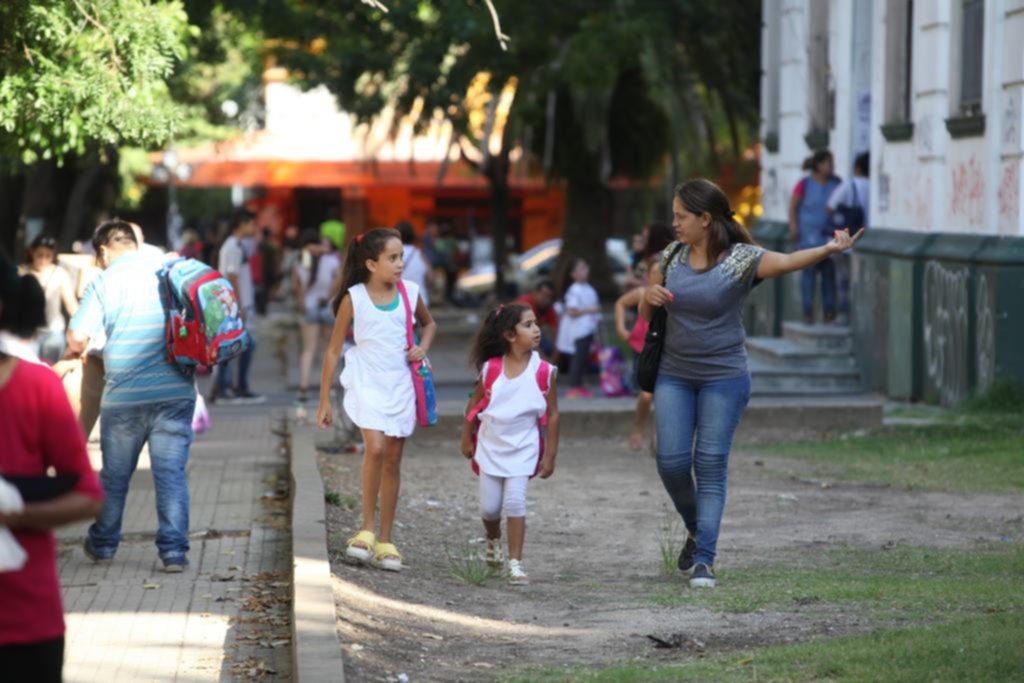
[{"x": 312, "y": 159}]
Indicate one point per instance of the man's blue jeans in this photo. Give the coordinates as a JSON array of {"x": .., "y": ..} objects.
[
  {"x": 244, "y": 361},
  {"x": 827, "y": 270},
  {"x": 168, "y": 429},
  {"x": 695, "y": 422}
]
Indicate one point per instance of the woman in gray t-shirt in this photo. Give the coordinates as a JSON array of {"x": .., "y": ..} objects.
[{"x": 703, "y": 382}]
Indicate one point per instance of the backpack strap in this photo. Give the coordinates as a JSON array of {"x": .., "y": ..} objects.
[
  {"x": 408, "y": 314},
  {"x": 491, "y": 371},
  {"x": 544, "y": 384}
]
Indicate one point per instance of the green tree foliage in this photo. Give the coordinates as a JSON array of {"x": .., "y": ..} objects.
[
  {"x": 603, "y": 89},
  {"x": 77, "y": 73}
]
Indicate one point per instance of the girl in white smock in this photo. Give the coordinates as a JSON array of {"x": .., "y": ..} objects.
[
  {"x": 515, "y": 396},
  {"x": 379, "y": 396}
]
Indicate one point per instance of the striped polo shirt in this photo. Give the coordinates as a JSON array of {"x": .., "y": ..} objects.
[{"x": 124, "y": 303}]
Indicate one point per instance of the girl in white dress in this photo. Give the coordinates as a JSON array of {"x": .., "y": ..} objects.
[
  {"x": 379, "y": 396},
  {"x": 507, "y": 452}
]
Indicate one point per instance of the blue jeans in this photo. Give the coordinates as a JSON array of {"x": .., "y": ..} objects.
[
  {"x": 695, "y": 423},
  {"x": 827, "y": 269},
  {"x": 167, "y": 427},
  {"x": 244, "y": 361}
]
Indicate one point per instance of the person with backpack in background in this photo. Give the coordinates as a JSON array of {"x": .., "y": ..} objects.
[
  {"x": 848, "y": 209},
  {"x": 315, "y": 277},
  {"x": 515, "y": 397},
  {"x": 59, "y": 292},
  {"x": 809, "y": 228},
  {"x": 146, "y": 399},
  {"x": 234, "y": 265}
]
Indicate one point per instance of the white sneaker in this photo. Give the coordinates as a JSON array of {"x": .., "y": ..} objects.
[{"x": 517, "y": 576}]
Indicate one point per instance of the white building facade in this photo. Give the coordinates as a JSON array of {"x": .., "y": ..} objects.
[{"x": 933, "y": 90}]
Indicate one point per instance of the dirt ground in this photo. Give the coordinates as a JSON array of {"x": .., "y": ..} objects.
[{"x": 592, "y": 551}]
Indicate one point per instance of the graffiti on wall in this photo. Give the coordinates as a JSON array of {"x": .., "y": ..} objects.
[
  {"x": 945, "y": 331},
  {"x": 985, "y": 334},
  {"x": 1009, "y": 196},
  {"x": 1011, "y": 119},
  {"x": 967, "y": 192},
  {"x": 917, "y": 201}
]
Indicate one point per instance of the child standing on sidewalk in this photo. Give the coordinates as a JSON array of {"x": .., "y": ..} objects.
[
  {"x": 379, "y": 395},
  {"x": 514, "y": 398},
  {"x": 582, "y": 314}
]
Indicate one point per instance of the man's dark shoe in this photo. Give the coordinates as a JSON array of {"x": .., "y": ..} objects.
[
  {"x": 91, "y": 553},
  {"x": 703, "y": 576},
  {"x": 687, "y": 556},
  {"x": 248, "y": 398},
  {"x": 175, "y": 565}
]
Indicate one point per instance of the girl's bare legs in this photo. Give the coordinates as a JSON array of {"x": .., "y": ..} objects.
[
  {"x": 493, "y": 528},
  {"x": 310, "y": 334},
  {"x": 643, "y": 411},
  {"x": 373, "y": 456},
  {"x": 516, "y": 536},
  {"x": 390, "y": 479}
]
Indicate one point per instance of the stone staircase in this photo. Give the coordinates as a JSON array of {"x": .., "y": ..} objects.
[{"x": 807, "y": 360}]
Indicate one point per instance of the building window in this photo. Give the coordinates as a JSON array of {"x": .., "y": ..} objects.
[
  {"x": 773, "y": 73},
  {"x": 819, "y": 84},
  {"x": 972, "y": 41},
  {"x": 899, "y": 52}
]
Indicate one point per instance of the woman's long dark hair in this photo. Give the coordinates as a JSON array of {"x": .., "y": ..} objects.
[
  {"x": 364, "y": 247},
  {"x": 311, "y": 237},
  {"x": 659, "y": 236},
  {"x": 490, "y": 341},
  {"x": 22, "y": 302},
  {"x": 703, "y": 196}
]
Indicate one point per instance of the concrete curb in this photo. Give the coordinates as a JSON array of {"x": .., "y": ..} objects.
[
  {"x": 316, "y": 649},
  {"x": 766, "y": 418}
]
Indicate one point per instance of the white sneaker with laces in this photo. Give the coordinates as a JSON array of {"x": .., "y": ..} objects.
[{"x": 517, "y": 575}]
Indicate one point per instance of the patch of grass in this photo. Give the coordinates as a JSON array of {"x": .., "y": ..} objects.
[
  {"x": 983, "y": 648},
  {"x": 337, "y": 500},
  {"x": 905, "y": 582},
  {"x": 670, "y": 545},
  {"x": 1001, "y": 397},
  {"x": 466, "y": 565},
  {"x": 975, "y": 451}
]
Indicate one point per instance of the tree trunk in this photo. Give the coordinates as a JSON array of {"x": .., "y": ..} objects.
[
  {"x": 587, "y": 227},
  {"x": 92, "y": 197},
  {"x": 12, "y": 188},
  {"x": 496, "y": 170}
]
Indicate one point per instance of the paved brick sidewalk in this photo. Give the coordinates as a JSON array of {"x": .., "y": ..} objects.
[{"x": 228, "y": 616}]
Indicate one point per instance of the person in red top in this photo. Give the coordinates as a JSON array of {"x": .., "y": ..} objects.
[
  {"x": 542, "y": 300},
  {"x": 40, "y": 432}
]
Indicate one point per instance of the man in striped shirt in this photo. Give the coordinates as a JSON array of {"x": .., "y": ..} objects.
[{"x": 146, "y": 398}]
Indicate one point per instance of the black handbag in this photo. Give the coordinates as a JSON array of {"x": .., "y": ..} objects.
[
  {"x": 847, "y": 216},
  {"x": 650, "y": 356}
]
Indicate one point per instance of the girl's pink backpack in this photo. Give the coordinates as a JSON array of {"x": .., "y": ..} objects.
[{"x": 492, "y": 369}]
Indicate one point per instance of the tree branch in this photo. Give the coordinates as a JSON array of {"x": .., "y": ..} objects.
[
  {"x": 502, "y": 38},
  {"x": 376, "y": 4}
]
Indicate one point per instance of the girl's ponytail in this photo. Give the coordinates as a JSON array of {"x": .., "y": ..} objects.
[
  {"x": 363, "y": 247},
  {"x": 490, "y": 341}
]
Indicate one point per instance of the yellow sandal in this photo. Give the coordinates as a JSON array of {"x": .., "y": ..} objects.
[
  {"x": 364, "y": 552},
  {"x": 387, "y": 557}
]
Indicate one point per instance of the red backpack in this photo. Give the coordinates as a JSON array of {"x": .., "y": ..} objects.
[{"x": 491, "y": 373}]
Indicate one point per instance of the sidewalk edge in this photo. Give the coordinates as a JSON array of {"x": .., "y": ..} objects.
[{"x": 316, "y": 649}]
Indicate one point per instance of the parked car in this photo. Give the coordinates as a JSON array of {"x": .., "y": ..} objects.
[{"x": 532, "y": 267}]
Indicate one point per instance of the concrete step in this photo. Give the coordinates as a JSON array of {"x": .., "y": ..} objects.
[
  {"x": 794, "y": 378},
  {"x": 767, "y": 418},
  {"x": 819, "y": 336},
  {"x": 782, "y": 350}
]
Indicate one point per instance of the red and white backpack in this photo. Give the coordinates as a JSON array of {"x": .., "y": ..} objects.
[{"x": 492, "y": 370}]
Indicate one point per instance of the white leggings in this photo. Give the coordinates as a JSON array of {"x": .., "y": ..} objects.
[{"x": 495, "y": 490}]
